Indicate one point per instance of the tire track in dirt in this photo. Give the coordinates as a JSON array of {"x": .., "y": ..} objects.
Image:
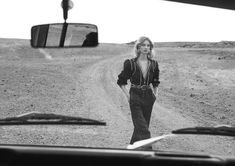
[{"x": 47, "y": 55}]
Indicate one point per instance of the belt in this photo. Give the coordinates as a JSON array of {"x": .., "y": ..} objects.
[{"x": 142, "y": 87}]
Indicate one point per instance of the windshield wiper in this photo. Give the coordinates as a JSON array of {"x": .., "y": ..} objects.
[
  {"x": 36, "y": 118},
  {"x": 223, "y": 130}
]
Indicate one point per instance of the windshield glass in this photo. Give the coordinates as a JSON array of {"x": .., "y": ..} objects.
[{"x": 185, "y": 60}]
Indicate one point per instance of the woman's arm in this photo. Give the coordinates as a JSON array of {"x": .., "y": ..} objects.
[
  {"x": 123, "y": 77},
  {"x": 156, "y": 81}
]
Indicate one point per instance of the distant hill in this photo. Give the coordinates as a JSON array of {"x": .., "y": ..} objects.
[
  {"x": 12, "y": 42},
  {"x": 221, "y": 44}
]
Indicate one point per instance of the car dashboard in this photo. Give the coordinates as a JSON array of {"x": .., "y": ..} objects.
[{"x": 12, "y": 155}]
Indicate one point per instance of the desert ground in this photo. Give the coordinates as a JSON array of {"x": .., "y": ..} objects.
[{"x": 197, "y": 89}]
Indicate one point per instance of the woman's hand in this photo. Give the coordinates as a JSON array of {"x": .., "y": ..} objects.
[
  {"x": 123, "y": 87},
  {"x": 155, "y": 92},
  {"x": 128, "y": 97}
]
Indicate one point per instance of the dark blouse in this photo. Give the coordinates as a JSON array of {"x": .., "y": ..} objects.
[{"x": 133, "y": 72}]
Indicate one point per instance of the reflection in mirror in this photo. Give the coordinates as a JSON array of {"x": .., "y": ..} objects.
[
  {"x": 54, "y": 33},
  {"x": 64, "y": 35}
]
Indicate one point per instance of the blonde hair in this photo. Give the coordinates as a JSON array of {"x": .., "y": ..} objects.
[{"x": 139, "y": 42}]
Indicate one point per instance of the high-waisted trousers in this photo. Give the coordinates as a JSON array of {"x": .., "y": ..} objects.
[{"x": 141, "y": 104}]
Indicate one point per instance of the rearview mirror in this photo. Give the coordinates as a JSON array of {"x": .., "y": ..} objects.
[{"x": 64, "y": 35}]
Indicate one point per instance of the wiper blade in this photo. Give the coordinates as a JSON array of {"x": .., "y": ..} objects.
[
  {"x": 36, "y": 118},
  {"x": 223, "y": 130}
]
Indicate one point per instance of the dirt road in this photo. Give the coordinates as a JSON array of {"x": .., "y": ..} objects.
[{"x": 193, "y": 92}]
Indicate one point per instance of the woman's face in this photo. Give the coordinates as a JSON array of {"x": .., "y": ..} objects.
[{"x": 145, "y": 48}]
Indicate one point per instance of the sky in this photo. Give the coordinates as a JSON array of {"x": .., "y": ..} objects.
[{"x": 122, "y": 21}]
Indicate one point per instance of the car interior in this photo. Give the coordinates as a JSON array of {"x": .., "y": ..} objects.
[{"x": 45, "y": 36}]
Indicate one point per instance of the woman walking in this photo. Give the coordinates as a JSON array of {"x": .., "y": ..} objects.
[{"x": 143, "y": 73}]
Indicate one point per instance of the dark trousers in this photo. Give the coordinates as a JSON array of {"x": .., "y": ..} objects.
[{"x": 141, "y": 104}]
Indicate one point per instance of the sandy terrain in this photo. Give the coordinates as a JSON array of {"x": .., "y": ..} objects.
[{"x": 197, "y": 89}]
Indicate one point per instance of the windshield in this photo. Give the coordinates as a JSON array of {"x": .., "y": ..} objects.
[{"x": 192, "y": 81}]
